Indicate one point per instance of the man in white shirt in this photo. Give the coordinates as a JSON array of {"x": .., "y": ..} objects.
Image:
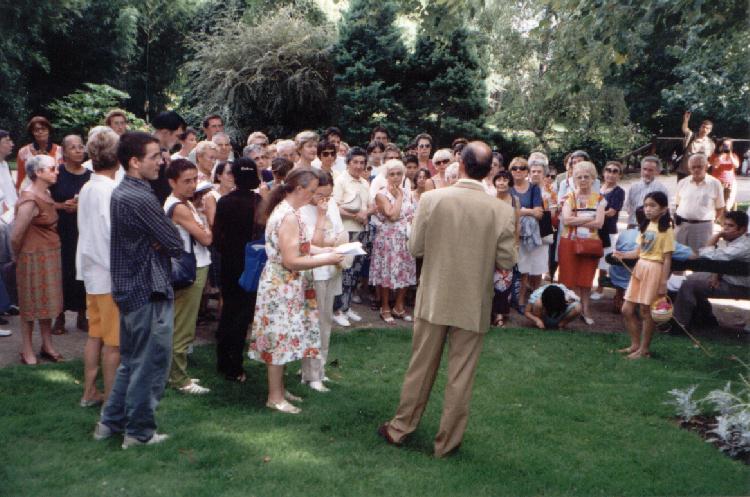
[
  {"x": 700, "y": 201},
  {"x": 93, "y": 267},
  {"x": 731, "y": 244},
  {"x": 650, "y": 169}
]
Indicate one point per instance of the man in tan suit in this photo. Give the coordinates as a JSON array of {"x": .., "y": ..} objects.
[{"x": 463, "y": 234}]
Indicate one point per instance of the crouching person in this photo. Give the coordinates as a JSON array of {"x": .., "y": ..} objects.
[{"x": 553, "y": 306}]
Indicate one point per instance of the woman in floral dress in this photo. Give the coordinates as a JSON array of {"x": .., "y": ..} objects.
[
  {"x": 392, "y": 267},
  {"x": 285, "y": 327}
]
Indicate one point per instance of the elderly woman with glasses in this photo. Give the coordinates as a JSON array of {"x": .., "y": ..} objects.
[
  {"x": 532, "y": 255},
  {"x": 582, "y": 217},
  {"x": 441, "y": 160},
  {"x": 392, "y": 267},
  {"x": 36, "y": 247}
]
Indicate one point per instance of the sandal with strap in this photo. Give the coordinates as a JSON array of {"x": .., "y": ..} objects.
[
  {"x": 498, "y": 322},
  {"x": 402, "y": 315},
  {"x": 387, "y": 317},
  {"x": 284, "y": 407},
  {"x": 52, "y": 356}
]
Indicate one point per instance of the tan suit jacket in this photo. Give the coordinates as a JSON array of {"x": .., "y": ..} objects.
[{"x": 463, "y": 234}]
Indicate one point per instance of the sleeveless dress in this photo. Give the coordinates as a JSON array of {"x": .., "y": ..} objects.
[
  {"x": 392, "y": 266},
  {"x": 38, "y": 268},
  {"x": 286, "y": 326}
]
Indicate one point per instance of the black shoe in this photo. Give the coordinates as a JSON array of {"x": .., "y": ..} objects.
[{"x": 3, "y": 321}]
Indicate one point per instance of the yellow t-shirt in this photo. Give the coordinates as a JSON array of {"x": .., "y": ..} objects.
[{"x": 654, "y": 244}]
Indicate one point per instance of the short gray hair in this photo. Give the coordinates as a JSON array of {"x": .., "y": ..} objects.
[
  {"x": 699, "y": 157},
  {"x": 249, "y": 149},
  {"x": 36, "y": 163},
  {"x": 654, "y": 159},
  {"x": 393, "y": 164},
  {"x": 540, "y": 160},
  {"x": 221, "y": 134}
]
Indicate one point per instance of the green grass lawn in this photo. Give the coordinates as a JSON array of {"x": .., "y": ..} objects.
[{"x": 553, "y": 413}]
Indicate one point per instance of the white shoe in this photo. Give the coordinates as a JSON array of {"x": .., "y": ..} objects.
[
  {"x": 190, "y": 349},
  {"x": 356, "y": 299},
  {"x": 341, "y": 320},
  {"x": 194, "y": 389},
  {"x": 353, "y": 316},
  {"x": 588, "y": 321},
  {"x": 596, "y": 296},
  {"x": 5, "y": 333},
  {"x": 325, "y": 378},
  {"x": 318, "y": 386},
  {"x": 102, "y": 431},
  {"x": 156, "y": 438}
]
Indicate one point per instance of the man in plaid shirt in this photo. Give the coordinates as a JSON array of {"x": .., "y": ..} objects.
[{"x": 142, "y": 242}]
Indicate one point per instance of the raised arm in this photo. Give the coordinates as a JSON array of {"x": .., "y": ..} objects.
[{"x": 686, "y": 124}]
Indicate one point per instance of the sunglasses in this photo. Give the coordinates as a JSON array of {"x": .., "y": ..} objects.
[
  {"x": 553, "y": 176},
  {"x": 441, "y": 162},
  {"x": 424, "y": 145},
  {"x": 328, "y": 154},
  {"x": 519, "y": 168},
  {"x": 611, "y": 170}
]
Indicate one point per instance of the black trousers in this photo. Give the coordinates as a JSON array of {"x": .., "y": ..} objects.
[{"x": 236, "y": 316}]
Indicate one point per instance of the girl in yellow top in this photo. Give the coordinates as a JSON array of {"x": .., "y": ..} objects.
[{"x": 649, "y": 280}]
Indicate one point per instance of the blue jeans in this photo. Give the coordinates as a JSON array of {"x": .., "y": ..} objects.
[{"x": 145, "y": 356}]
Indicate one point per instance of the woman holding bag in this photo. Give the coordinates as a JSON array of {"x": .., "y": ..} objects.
[{"x": 580, "y": 246}]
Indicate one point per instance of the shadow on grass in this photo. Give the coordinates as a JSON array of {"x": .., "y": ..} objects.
[{"x": 554, "y": 413}]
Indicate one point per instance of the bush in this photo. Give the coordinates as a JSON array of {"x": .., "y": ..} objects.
[{"x": 80, "y": 111}]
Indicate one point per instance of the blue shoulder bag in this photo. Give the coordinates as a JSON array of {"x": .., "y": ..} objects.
[{"x": 255, "y": 260}]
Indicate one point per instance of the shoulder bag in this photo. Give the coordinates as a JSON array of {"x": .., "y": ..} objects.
[
  {"x": 255, "y": 261},
  {"x": 183, "y": 266},
  {"x": 585, "y": 247}
]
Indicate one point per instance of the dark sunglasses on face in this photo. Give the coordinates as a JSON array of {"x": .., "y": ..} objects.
[
  {"x": 441, "y": 162},
  {"x": 519, "y": 168},
  {"x": 553, "y": 176},
  {"x": 424, "y": 145},
  {"x": 328, "y": 153},
  {"x": 611, "y": 170}
]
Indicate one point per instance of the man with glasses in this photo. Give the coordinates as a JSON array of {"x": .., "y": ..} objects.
[
  {"x": 650, "y": 169},
  {"x": 424, "y": 151}
]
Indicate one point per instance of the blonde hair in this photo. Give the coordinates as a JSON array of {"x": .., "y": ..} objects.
[
  {"x": 257, "y": 135},
  {"x": 203, "y": 146},
  {"x": 102, "y": 149},
  {"x": 518, "y": 161},
  {"x": 305, "y": 137},
  {"x": 585, "y": 167},
  {"x": 451, "y": 172},
  {"x": 114, "y": 113}
]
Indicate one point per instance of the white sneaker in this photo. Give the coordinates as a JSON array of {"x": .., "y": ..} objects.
[
  {"x": 194, "y": 389},
  {"x": 318, "y": 386},
  {"x": 356, "y": 299},
  {"x": 353, "y": 316},
  {"x": 102, "y": 431},
  {"x": 596, "y": 296},
  {"x": 341, "y": 320},
  {"x": 588, "y": 321},
  {"x": 156, "y": 438},
  {"x": 5, "y": 333}
]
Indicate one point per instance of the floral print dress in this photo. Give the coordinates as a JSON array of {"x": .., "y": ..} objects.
[
  {"x": 391, "y": 264},
  {"x": 286, "y": 326}
]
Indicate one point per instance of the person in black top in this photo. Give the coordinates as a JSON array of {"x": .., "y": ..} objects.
[
  {"x": 234, "y": 227},
  {"x": 168, "y": 126}
]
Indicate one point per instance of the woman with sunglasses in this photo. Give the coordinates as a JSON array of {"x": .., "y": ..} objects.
[
  {"x": 441, "y": 160},
  {"x": 615, "y": 198},
  {"x": 327, "y": 154},
  {"x": 532, "y": 254}
]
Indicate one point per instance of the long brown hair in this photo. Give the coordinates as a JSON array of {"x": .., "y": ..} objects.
[{"x": 297, "y": 177}]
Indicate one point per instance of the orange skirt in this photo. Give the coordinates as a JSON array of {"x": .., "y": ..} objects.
[
  {"x": 644, "y": 283},
  {"x": 575, "y": 270},
  {"x": 39, "y": 280}
]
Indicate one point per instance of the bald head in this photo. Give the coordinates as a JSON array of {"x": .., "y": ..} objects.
[{"x": 476, "y": 159}]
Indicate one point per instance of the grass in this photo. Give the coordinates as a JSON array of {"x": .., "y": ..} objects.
[{"x": 553, "y": 413}]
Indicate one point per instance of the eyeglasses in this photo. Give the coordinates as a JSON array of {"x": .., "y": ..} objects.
[
  {"x": 424, "y": 145},
  {"x": 519, "y": 168},
  {"x": 396, "y": 173},
  {"x": 328, "y": 153},
  {"x": 441, "y": 162},
  {"x": 611, "y": 170},
  {"x": 583, "y": 176}
]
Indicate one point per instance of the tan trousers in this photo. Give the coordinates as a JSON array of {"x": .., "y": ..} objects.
[
  {"x": 313, "y": 369},
  {"x": 464, "y": 348}
]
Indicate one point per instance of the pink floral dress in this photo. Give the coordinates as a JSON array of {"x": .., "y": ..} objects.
[
  {"x": 286, "y": 326},
  {"x": 391, "y": 264}
]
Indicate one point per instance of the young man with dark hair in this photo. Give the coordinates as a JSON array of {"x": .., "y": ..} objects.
[
  {"x": 142, "y": 241},
  {"x": 168, "y": 126},
  {"x": 212, "y": 124},
  {"x": 732, "y": 243},
  {"x": 380, "y": 134}
]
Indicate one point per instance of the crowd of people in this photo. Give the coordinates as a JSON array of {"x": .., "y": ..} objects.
[{"x": 136, "y": 232}]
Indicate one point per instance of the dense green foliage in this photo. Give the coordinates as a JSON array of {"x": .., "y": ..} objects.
[
  {"x": 553, "y": 413},
  {"x": 552, "y": 74}
]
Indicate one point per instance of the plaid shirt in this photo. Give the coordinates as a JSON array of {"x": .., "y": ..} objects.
[{"x": 138, "y": 222}]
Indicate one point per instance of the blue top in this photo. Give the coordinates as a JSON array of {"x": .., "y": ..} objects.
[
  {"x": 139, "y": 271},
  {"x": 615, "y": 200},
  {"x": 532, "y": 198}
]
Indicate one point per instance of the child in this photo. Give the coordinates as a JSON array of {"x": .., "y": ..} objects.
[
  {"x": 553, "y": 306},
  {"x": 649, "y": 281}
]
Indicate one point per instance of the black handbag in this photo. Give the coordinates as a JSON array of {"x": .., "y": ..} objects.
[
  {"x": 545, "y": 224},
  {"x": 183, "y": 266}
]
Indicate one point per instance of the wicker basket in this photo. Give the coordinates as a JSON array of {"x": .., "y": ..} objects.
[{"x": 661, "y": 310}]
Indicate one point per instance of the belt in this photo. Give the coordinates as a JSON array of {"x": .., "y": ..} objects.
[{"x": 695, "y": 221}]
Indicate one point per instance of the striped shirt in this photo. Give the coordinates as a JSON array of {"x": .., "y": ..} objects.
[{"x": 139, "y": 271}]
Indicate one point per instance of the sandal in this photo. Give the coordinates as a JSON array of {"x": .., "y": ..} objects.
[
  {"x": 387, "y": 317},
  {"x": 402, "y": 315},
  {"x": 52, "y": 356},
  {"x": 498, "y": 321},
  {"x": 24, "y": 361},
  {"x": 284, "y": 407},
  {"x": 291, "y": 397}
]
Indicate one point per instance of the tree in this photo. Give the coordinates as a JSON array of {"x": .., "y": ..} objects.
[
  {"x": 276, "y": 75},
  {"x": 446, "y": 86},
  {"x": 369, "y": 63}
]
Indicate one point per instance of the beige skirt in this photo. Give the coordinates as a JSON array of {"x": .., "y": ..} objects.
[{"x": 644, "y": 283}]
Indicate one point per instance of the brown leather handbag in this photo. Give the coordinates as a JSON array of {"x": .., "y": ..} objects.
[{"x": 586, "y": 247}]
